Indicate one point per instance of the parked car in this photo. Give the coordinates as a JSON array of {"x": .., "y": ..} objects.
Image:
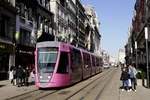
[{"x": 106, "y": 65}]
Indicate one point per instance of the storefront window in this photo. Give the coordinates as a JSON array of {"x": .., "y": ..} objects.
[{"x": 4, "y": 67}]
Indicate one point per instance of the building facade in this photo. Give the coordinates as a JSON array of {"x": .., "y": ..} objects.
[
  {"x": 105, "y": 56},
  {"x": 76, "y": 24},
  {"x": 92, "y": 30},
  {"x": 7, "y": 32},
  {"x": 25, "y": 33},
  {"x": 129, "y": 48},
  {"x": 140, "y": 20},
  {"x": 137, "y": 48},
  {"x": 121, "y": 56},
  {"x": 72, "y": 19},
  {"x": 59, "y": 9},
  {"x": 33, "y": 24}
]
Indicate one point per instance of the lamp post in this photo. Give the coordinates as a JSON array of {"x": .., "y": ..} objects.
[
  {"x": 131, "y": 56},
  {"x": 136, "y": 53},
  {"x": 147, "y": 56}
]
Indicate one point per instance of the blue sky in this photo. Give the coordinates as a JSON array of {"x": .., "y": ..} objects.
[{"x": 115, "y": 17}]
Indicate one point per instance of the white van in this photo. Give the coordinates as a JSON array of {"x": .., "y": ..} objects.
[{"x": 106, "y": 65}]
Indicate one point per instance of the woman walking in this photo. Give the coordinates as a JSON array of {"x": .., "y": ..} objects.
[
  {"x": 133, "y": 72},
  {"x": 11, "y": 76}
]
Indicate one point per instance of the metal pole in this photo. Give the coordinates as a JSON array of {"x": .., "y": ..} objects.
[
  {"x": 131, "y": 56},
  {"x": 146, "y": 37},
  {"x": 136, "y": 58},
  {"x": 147, "y": 64},
  {"x": 136, "y": 54}
]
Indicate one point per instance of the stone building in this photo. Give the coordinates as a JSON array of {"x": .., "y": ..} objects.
[
  {"x": 129, "y": 48},
  {"x": 121, "y": 56},
  {"x": 33, "y": 24},
  {"x": 72, "y": 22},
  {"x": 81, "y": 17},
  {"x": 92, "y": 30},
  {"x": 7, "y": 32},
  {"x": 59, "y": 9},
  {"x": 136, "y": 54},
  {"x": 74, "y": 25},
  {"x": 140, "y": 20}
]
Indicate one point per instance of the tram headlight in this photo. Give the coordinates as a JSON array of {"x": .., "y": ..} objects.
[
  {"x": 49, "y": 77},
  {"x": 41, "y": 77}
]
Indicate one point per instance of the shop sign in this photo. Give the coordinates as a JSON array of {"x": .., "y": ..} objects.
[
  {"x": 27, "y": 52},
  {"x": 6, "y": 48}
]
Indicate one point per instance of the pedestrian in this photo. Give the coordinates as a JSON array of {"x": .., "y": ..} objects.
[
  {"x": 11, "y": 76},
  {"x": 19, "y": 74},
  {"x": 27, "y": 74},
  {"x": 124, "y": 78},
  {"x": 129, "y": 80},
  {"x": 133, "y": 72},
  {"x": 32, "y": 76},
  {"x": 24, "y": 76},
  {"x": 14, "y": 74}
]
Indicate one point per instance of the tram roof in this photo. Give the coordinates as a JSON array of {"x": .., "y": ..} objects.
[{"x": 56, "y": 44}]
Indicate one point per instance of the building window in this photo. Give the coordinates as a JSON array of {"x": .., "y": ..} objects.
[
  {"x": 41, "y": 2},
  {"x": 22, "y": 10},
  {"x": 25, "y": 36},
  {"x": 62, "y": 2},
  {"x": 4, "y": 67},
  {"x": 47, "y": 4},
  {"x": 86, "y": 60},
  {"x": 30, "y": 14},
  {"x": 4, "y": 26}
]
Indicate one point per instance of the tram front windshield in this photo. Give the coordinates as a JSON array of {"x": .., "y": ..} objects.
[{"x": 47, "y": 59}]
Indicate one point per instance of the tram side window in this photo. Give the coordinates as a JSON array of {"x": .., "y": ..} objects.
[
  {"x": 93, "y": 61},
  {"x": 97, "y": 62},
  {"x": 101, "y": 62},
  {"x": 86, "y": 60},
  {"x": 76, "y": 59},
  {"x": 63, "y": 63}
]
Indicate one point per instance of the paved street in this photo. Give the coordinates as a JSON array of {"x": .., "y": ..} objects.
[{"x": 103, "y": 86}]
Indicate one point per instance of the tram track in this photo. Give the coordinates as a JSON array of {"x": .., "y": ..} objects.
[
  {"x": 11, "y": 98},
  {"x": 106, "y": 84},
  {"x": 33, "y": 95},
  {"x": 92, "y": 88},
  {"x": 40, "y": 98},
  {"x": 73, "y": 94}
]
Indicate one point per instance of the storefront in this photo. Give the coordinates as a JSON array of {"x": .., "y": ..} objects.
[
  {"x": 6, "y": 52},
  {"x": 25, "y": 56}
]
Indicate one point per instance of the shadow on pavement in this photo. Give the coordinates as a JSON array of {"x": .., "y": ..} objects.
[{"x": 1, "y": 86}]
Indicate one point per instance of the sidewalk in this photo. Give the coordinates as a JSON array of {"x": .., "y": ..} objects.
[
  {"x": 7, "y": 90},
  {"x": 112, "y": 91}
]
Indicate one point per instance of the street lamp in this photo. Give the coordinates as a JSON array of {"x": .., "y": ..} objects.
[
  {"x": 136, "y": 52},
  {"x": 147, "y": 56}
]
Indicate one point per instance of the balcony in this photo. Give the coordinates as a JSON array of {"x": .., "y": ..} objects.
[
  {"x": 11, "y": 2},
  {"x": 24, "y": 20},
  {"x": 9, "y": 5}
]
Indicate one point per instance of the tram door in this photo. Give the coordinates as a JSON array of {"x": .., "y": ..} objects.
[{"x": 76, "y": 66}]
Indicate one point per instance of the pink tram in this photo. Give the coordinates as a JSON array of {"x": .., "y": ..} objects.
[{"x": 59, "y": 64}]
